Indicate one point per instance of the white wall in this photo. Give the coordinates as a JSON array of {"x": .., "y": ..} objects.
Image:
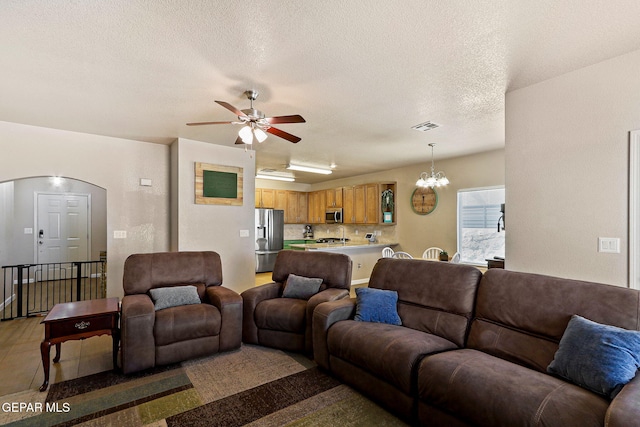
[
  {"x": 111, "y": 163},
  {"x": 214, "y": 227},
  {"x": 567, "y": 148}
]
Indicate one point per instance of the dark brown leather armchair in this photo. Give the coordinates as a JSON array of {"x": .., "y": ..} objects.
[
  {"x": 285, "y": 323},
  {"x": 150, "y": 337}
]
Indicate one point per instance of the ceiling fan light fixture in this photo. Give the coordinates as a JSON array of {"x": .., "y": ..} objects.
[
  {"x": 246, "y": 135},
  {"x": 309, "y": 169},
  {"x": 260, "y": 134}
]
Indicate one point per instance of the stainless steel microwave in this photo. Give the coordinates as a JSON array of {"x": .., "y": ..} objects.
[{"x": 333, "y": 216}]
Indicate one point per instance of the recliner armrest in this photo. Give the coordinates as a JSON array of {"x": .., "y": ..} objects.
[
  {"x": 250, "y": 299},
  {"x": 137, "y": 318},
  {"x": 624, "y": 409},
  {"x": 230, "y": 305},
  {"x": 329, "y": 294},
  {"x": 325, "y": 315}
]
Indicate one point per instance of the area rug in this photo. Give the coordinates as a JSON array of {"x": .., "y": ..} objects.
[{"x": 253, "y": 386}]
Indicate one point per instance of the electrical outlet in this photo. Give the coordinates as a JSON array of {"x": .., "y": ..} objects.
[
  {"x": 378, "y": 233},
  {"x": 359, "y": 265}
]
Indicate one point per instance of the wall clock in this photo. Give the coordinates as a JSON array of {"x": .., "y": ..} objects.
[{"x": 424, "y": 200}]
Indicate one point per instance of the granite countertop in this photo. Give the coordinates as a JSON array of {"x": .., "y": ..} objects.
[{"x": 340, "y": 246}]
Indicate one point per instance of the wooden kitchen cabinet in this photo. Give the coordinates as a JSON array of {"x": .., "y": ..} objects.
[
  {"x": 348, "y": 207},
  {"x": 317, "y": 207},
  {"x": 296, "y": 211},
  {"x": 334, "y": 197},
  {"x": 265, "y": 198},
  {"x": 280, "y": 200},
  {"x": 361, "y": 204}
]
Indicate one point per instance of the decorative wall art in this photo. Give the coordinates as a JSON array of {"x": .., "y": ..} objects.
[{"x": 218, "y": 185}]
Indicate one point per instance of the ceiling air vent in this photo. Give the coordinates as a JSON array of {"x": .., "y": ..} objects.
[
  {"x": 267, "y": 170},
  {"x": 423, "y": 127}
]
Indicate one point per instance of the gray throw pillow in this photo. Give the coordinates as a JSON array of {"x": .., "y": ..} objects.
[
  {"x": 301, "y": 287},
  {"x": 174, "y": 296}
]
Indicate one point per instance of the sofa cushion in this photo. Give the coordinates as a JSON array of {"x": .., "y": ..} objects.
[
  {"x": 186, "y": 322},
  {"x": 301, "y": 287},
  {"x": 387, "y": 351},
  {"x": 485, "y": 390},
  {"x": 174, "y": 296},
  {"x": 377, "y": 305},
  {"x": 281, "y": 314},
  {"x": 600, "y": 358}
]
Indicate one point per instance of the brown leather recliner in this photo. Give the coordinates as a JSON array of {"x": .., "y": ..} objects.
[
  {"x": 169, "y": 335},
  {"x": 285, "y": 323}
]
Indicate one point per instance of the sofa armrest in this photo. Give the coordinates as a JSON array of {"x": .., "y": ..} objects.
[
  {"x": 329, "y": 294},
  {"x": 250, "y": 299},
  {"x": 624, "y": 409},
  {"x": 137, "y": 318},
  {"x": 325, "y": 315},
  {"x": 230, "y": 305}
]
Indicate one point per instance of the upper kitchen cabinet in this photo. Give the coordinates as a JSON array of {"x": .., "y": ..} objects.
[
  {"x": 265, "y": 198},
  {"x": 361, "y": 204},
  {"x": 317, "y": 207},
  {"x": 280, "y": 201},
  {"x": 364, "y": 204},
  {"x": 297, "y": 205},
  {"x": 334, "y": 198}
]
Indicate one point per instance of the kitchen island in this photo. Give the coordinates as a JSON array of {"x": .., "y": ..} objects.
[{"x": 363, "y": 254}]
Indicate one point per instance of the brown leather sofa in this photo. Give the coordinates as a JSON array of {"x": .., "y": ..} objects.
[
  {"x": 499, "y": 378},
  {"x": 435, "y": 303},
  {"x": 285, "y": 323},
  {"x": 169, "y": 335}
]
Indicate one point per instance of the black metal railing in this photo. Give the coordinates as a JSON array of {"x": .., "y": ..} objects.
[{"x": 32, "y": 289}]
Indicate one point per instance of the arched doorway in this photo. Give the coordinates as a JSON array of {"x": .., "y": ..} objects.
[{"x": 54, "y": 225}]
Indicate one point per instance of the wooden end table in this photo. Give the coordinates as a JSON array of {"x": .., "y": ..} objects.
[{"x": 76, "y": 321}]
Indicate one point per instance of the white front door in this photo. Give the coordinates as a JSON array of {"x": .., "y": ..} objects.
[{"x": 62, "y": 228}]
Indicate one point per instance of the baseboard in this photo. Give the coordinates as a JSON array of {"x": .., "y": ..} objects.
[
  {"x": 24, "y": 281},
  {"x": 359, "y": 282},
  {"x": 7, "y": 302}
]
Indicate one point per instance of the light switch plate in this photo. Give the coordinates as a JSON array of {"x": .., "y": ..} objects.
[
  {"x": 609, "y": 245},
  {"x": 28, "y": 231},
  {"x": 120, "y": 234},
  {"x": 244, "y": 233},
  {"x": 145, "y": 182}
]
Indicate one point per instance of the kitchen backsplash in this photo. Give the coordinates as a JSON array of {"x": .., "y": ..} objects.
[{"x": 296, "y": 232}]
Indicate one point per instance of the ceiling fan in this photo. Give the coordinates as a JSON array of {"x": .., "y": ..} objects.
[{"x": 255, "y": 123}]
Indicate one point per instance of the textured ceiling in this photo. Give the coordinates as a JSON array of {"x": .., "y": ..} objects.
[{"x": 360, "y": 72}]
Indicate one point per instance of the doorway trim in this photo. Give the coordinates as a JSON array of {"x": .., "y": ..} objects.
[{"x": 634, "y": 210}]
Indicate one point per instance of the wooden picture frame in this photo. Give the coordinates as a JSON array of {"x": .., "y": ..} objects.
[{"x": 218, "y": 185}]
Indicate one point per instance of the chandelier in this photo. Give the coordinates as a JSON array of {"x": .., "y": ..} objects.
[{"x": 434, "y": 179}]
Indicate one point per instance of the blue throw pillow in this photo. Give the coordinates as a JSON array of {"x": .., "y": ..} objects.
[
  {"x": 600, "y": 358},
  {"x": 377, "y": 305}
]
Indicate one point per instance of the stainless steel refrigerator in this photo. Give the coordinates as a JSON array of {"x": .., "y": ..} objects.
[{"x": 269, "y": 238}]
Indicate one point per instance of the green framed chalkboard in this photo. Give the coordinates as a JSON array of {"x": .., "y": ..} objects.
[{"x": 218, "y": 185}]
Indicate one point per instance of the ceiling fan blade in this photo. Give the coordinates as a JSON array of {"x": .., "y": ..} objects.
[
  {"x": 239, "y": 140},
  {"x": 284, "y": 135},
  {"x": 209, "y": 123},
  {"x": 231, "y": 108},
  {"x": 286, "y": 119}
]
